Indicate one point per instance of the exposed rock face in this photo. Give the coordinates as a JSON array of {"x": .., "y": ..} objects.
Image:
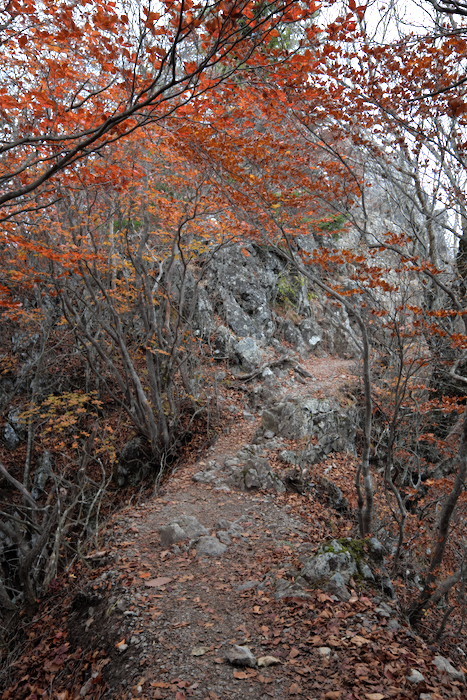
[
  {"x": 14, "y": 431},
  {"x": 322, "y": 570},
  {"x": 260, "y": 298},
  {"x": 249, "y": 353},
  {"x": 332, "y": 427},
  {"x": 248, "y": 470},
  {"x": 185, "y": 527},
  {"x": 134, "y": 463},
  {"x": 334, "y": 567}
]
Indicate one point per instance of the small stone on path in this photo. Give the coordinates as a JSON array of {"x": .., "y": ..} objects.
[
  {"x": 415, "y": 676},
  {"x": 240, "y": 656},
  {"x": 443, "y": 664}
]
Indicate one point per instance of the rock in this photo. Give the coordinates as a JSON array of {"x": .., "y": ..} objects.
[
  {"x": 366, "y": 572},
  {"x": 289, "y": 589},
  {"x": 337, "y": 500},
  {"x": 323, "y": 566},
  {"x": 415, "y": 676},
  {"x": 134, "y": 462},
  {"x": 210, "y": 546},
  {"x": 170, "y": 534},
  {"x": 291, "y": 334},
  {"x": 388, "y": 587},
  {"x": 232, "y": 462},
  {"x": 248, "y": 586},
  {"x": 444, "y": 664},
  {"x": 11, "y": 437},
  {"x": 383, "y": 610},
  {"x": 42, "y": 475},
  {"x": 306, "y": 416},
  {"x": 324, "y": 651},
  {"x": 394, "y": 625},
  {"x": 376, "y": 550},
  {"x": 223, "y": 537},
  {"x": 426, "y": 696},
  {"x": 207, "y": 477},
  {"x": 248, "y": 470},
  {"x": 249, "y": 354},
  {"x": 199, "y": 651},
  {"x": 224, "y": 341},
  {"x": 265, "y": 661},
  {"x": 240, "y": 656},
  {"x": 336, "y": 586},
  {"x": 191, "y": 526},
  {"x": 223, "y": 524},
  {"x": 310, "y": 332}
]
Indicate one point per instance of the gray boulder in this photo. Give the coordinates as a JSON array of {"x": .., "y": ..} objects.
[
  {"x": 210, "y": 546},
  {"x": 170, "y": 534},
  {"x": 185, "y": 527},
  {"x": 247, "y": 471},
  {"x": 302, "y": 417},
  {"x": 11, "y": 437},
  {"x": 191, "y": 526},
  {"x": 248, "y": 353},
  {"x": 337, "y": 586},
  {"x": 444, "y": 664},
  {"x": 322, "y": 567}
]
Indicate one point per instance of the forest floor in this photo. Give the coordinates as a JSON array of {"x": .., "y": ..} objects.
[{"x": 142, "y": 619}]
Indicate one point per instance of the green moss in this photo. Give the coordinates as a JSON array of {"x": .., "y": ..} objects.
[
  {"x": 356, "y": 548},
  {"x": 288, "y": 289}
]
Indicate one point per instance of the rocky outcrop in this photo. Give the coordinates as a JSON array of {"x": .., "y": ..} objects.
[
  {"x": 331, "y": 426},
  {"x": 248, "y": 470},
  {"x": 261, "y": 298}
]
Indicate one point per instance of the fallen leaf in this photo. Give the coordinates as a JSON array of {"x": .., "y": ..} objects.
[
  {"x": 241, "y": 675},
  {"x": 97, "y": 555},
  {"x": 265, "y": 679},
  {"x": 295, "y": 689},
  {"x": 375, "y": 696},
  {"x": 144, "y": 574},
  {"x": 359, "y": 641},
  {"x": 180, "y": 695},
  {"x": 294, "y": 652},
  {"x": 333, "y": 695},
  {"x": 158, "y": 582},
  {"x": 304, "y": 671}
]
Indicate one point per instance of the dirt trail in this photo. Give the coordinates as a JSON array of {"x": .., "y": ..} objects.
[
  {"x": 175, "y": 604},
  {"x": 161, "y": 618}
]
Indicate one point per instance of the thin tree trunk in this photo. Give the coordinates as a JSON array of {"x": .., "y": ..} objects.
[{"x": 429, "y": 592}]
